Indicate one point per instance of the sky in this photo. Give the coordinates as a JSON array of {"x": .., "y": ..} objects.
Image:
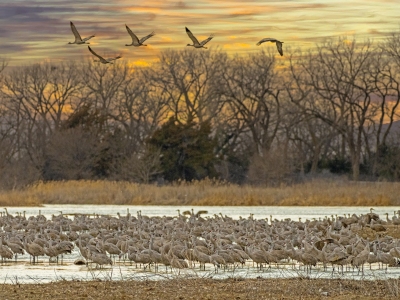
[{"x": 34, "y": 31}]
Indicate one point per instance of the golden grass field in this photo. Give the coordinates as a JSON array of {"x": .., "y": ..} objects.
[{"x": 206, "y": 192}]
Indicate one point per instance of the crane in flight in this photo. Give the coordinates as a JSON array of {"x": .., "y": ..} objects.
[
  {"x": 135, "y": 40},
  {"x": 196, "y": 43},
  {"x": 103, "y": 60},
  {"x": 272, "y": 40},
  {"x": 78, "y": 39}
]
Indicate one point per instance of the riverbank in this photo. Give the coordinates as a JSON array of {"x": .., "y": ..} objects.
[
  {"x": 206, "y": 193},
  {"x": 234, "y": 288}
]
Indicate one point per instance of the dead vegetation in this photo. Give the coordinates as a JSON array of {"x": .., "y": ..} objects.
[
  {"x": 205, "y": 192},
  {"x": 233, "y": 288}
]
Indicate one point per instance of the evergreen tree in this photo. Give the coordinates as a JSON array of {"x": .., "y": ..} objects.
[{"x": 187, "y": 151}]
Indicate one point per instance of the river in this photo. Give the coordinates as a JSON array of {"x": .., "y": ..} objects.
[{"x": 24, "y": 272}]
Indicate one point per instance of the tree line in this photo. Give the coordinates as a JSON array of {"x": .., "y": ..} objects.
[{"x": 195, "y": 114}]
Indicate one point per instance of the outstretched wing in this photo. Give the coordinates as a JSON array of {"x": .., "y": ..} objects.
[
  {"x": 266, "y": 40},
  {"x": 147, "y": 37},
  {"x": 95, "y": 54},
  {"x": 192, "y": 37},
  {"x": 279, "y": 46},
  {"x": 201, "y": 212},
  {"x": 113, "y": 58},
  {"x": 75, "y": 32},
  {"x": 135, "y": 39},
  {"x": 88, "y": 38},
  {"x": 207, "y": 40}
]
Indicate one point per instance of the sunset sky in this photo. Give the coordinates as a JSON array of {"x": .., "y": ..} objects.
[{"x": 38, "y": 30}]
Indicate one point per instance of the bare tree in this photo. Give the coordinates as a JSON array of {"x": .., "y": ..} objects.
[
  {"x": 7, "y": 130},
  {"x": 310, "y": 136},
  {"x": 69, "y": 155},
  {"x": 3, "y": 64},
  {"x": 391, "y": 47},
  {"x": 39, "y": 95},
  {"x": 341, "y": 99},
  {"x": 140, "y": 109},
  {"x": 103, "y": 85},
  {"x": 185, "y": 79},
  {"x": 338, "y": 90},
  {"x": 385, "y": 78},
  {"x": 8, "y": 147},
  {"x": 141, "y": 167},
  {"x": 272, "y": 168},
  {"x": 250, "y": 88}
]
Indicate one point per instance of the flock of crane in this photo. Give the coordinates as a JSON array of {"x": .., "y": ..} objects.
[
  {"x": 139, "y": 42},
  {"x": 189, "y": 240}
]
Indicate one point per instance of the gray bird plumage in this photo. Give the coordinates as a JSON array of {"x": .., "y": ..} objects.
[{"x": 272, "y": 40}]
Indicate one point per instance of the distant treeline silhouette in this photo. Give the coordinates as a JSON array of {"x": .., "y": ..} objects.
[{"x": 256, "y": 118}]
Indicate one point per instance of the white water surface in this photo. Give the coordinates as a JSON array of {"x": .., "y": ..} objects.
[{"x": 259, "y": 212}]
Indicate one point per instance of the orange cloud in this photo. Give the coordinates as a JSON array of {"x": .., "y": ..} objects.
[
  {"x": 236, "y": 45},
  {"x": 31, "y": 32},
  {"x": 144, "y": 9},
  {"x": 140, "y": 63}
]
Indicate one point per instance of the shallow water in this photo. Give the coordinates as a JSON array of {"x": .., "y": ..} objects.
[
  {"x": 44, "y": 272},
  {"x": 24, "y": 272},
  {"x": 259, "y": 212}
]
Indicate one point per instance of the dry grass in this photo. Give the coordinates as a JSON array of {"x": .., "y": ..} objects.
[
  {"x": 19, "y": 198},
  {"x": 206, "y": 192},
  {"x": 207, "y": 289}
]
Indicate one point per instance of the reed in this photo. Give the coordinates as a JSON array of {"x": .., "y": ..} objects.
[{"x": 206, "y": 192}]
